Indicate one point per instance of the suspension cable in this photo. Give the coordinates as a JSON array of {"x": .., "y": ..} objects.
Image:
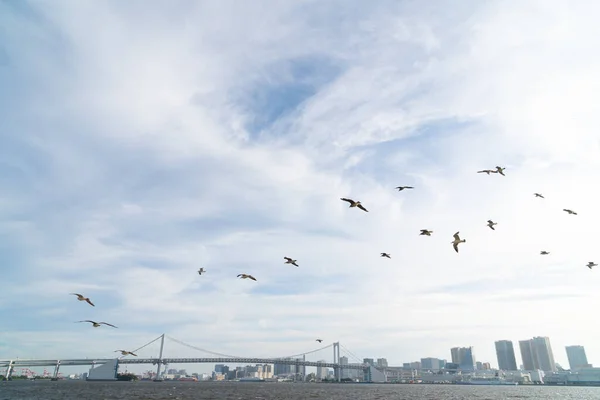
[
  {"x": 305, "y": 353},
  {"x": 351, "y": 353},
  {"x": 203, "y": 350},
  {"x": 230, "y": 356},
  {"x": 147, "y": 344}
]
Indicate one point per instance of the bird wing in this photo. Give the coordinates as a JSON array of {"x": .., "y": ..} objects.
[
  {"x": 456, "y": 237},
  {"x": 348, "y": 200},
  {"x": 408, "y": 187},
  {"x": 135, "y": 355},
  {"x": 240, "y": 275},
  {"x": 76, "y": 294},
  {"x": 455, "y": 245},
  {"x": 90, "y": 303},
  {"x": 105, "y": 323},
  {"x": 251, "y": 277},
  {"x": 362, "y": 208},
  {"x": 87, "y": 320},
  {"x": 294, "y": 263},
  {"x": 287, "y": 259}
]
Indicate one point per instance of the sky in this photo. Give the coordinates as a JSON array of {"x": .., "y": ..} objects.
[{"x": 143, "y": 140}]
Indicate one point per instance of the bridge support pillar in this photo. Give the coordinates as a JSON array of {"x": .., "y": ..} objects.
[
  {"x": 336, "y": 360},
  {"x": 55, "y": 375},
  {"x": 9, "y": 371},
  {"x": 160, "y": 359}
]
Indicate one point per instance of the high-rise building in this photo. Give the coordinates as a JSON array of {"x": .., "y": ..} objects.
[
  {"x": 543, "y": 350},
  {"x": 432, "y": 364},
  {"x": 369, "y": 361},
  {"x": 455, "y": 354},
  {"x": 322, "y": 371},
  {"x": 382, "y": 362},
  {"x": 577, "y": 357},
  {"x": 529, "y": 360},
  {"x": 537, "y": 354},
  {"x": 467, "y": 359},
  {"x": 506, "y": 355},
  {"x": 464, "y": 356}
]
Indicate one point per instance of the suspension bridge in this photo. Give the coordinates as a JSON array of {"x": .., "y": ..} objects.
[{"x": 298, "y": 360}]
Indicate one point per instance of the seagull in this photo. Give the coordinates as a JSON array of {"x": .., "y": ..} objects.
[
  {"x": 385, "y": 255},
  {"x": 201, "y": 271},
  {"x": 544, "y": 252},
  {"x": 319, "y": 340},
  {"x": 456, "y": 241},
  {"x": 125, "y": 352},
  {"x": 487, "y": 171},
  {"x": 246, "y": 276},
  {"x": 97, "y": 324},
  {"x": 83, "y": 298},
  {"x": 401, "y": 188},
  {"x": 354, "y": 204},
  {"x": 425, "y": 232},
  {"x": 290, "y": 261},
  {"x": 591, "y": 264},
  {"x": 538, "y": 195},
  {"x": 569, "y": 211},
  {"x": 491, "y": 224},
  {"x": 500, "y": 170}
]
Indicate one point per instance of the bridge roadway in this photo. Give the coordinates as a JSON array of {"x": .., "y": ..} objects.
[{"x": 154, "y": 361}]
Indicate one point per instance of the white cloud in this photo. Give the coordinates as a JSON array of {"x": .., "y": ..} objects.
[{"x": 132, "y": 163}]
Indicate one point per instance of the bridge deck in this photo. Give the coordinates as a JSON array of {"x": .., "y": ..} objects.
[{"x": 90, "y": 361}]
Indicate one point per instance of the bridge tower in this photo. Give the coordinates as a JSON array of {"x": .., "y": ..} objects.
[
  {"x": 160, "y": 358},
  {"x": 336, "y": 360},
  {"x": 9, "y": 371}
]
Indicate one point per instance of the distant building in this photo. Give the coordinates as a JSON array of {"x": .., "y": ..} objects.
[
  {"x": 537, "y": 354},
  {"x": 382, "y": 362},
  {"x": 486, "y": 366},
  {"x": 505, "y": 353},
  {"x": 432, "y": 364},
  {"x": 369, "y": 361},
  {"x": 577, "y": 357},
  {"x": 529, "y": 360},
  {"x": 322, "y": 371},
  {"x": 464, "y": 357}
]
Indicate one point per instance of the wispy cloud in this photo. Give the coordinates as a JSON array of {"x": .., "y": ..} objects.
[{"x": 191, "y": 135}]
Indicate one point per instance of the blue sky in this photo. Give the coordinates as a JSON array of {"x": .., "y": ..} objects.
[{"x": 200, "y": 134}]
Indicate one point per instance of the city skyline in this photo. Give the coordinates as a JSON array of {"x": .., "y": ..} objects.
[{"x": 222, "y": 135}]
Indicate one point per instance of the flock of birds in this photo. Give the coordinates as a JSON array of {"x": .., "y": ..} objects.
[{"x": 353, "y": 204}]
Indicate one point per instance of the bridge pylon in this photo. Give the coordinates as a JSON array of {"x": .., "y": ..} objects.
[{"x": 160, "y": 359}]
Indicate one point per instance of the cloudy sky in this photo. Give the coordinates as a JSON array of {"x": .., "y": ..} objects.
[{"x": 142, "y": 140}]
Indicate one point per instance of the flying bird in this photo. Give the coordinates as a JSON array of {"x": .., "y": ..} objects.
[
  {"x": 538, "y": 195},
  {"x": 246, "y": 276},
  {"x": 201, "y": 271},
  {"x": 125, "y": 352},
  {"x": 290, "y": 261},
  {"x": 385, "y": 255},
  {"x": 544, "y": 252},
  {"x": 500, "y": 170},
  {"x": 401, "y": 188},
  {"x": 569, "y": 211},
  {"x": 83, "y": 298},
  {"x": 97, "y": 324},
  {"x": 425, "y": 232},
  {"x": 319, "y": 340},
  {"x": 491, "y": 224},
  {"x": 487, "y": 171},
  {"x": 354, "y": 204},
  {"x": 591, "y": 264},
  {"x": 456, "y": 241}
]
